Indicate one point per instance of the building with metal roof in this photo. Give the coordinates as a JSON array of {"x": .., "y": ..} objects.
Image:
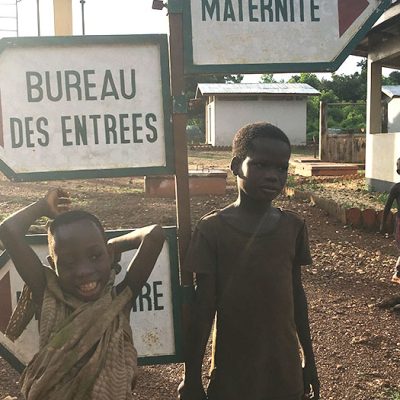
[
  {"x": 230, "y": 106},
  {"x": 391, "y": 107},
  {"x": 391, "y": 90}
]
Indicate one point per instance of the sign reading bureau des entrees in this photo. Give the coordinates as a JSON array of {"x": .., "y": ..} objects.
[
  {"x": 232, "y": 36},
  {"x": 85, "y": 107}
]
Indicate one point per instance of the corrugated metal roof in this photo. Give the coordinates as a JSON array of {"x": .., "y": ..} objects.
[
  {"x": 304, "y": 89},
  {"x": 391, "y": 91}
]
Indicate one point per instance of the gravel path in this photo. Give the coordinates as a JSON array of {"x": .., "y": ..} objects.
[{"x": 357, "y": 343}]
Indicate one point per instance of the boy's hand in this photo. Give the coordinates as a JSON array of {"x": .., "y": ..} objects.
[
  {"x": 396, "y": 275},
  {"x": 311, "y": 382},
  {"x": 113, "y": 251},
  {"x": 57, "y": 201},
  {"x": 191, "y": 392}
]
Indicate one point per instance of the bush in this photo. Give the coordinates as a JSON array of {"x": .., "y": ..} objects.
[{"x": 194, "y": 134}]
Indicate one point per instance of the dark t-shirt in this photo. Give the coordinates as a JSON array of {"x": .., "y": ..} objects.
[{"x": 256, "y": 353}]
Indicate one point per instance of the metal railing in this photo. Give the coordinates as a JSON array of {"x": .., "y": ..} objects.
[{"x": 10, "y": 8}]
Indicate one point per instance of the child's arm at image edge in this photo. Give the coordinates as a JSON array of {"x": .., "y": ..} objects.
[
  {"x": 149, "y": 241},
  {"x": 394, "y": 193},
  {"x": 310, "y": 374},
  {"x": 12, "y": 233},
  {"x": 27, "y": 263}
]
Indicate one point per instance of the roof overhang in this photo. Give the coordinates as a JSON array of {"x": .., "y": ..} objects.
[
  {"x": 255, "y": 90},
  {"x": 382, "y": 43}
]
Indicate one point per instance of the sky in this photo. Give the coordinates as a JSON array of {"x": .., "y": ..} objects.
[{"x": 107, "y": 17}]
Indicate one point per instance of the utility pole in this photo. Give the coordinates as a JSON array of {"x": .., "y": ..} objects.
[
  {"x": 62, "y": 17},
  {"x": 38, "y": 16},
  {"x": 83, "y": 16}
]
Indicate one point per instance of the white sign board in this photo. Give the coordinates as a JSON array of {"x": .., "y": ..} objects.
[
  {"x": 275, "y": 35},
  {"x": 154, "y": 317},
  {"x": 84, "y": 107}
]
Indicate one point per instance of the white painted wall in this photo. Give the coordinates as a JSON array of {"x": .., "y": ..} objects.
[
  {"x": 382, "y": 152},
  {"x": 210, "y": 128},
  {"x": 288, "y": 115},
  {"x": 394, "y": 115}
]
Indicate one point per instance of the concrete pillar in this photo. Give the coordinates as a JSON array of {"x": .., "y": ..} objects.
[
  {"x": 374, "y": 122},
  {"x": 374, "y": 95},
  {"x": 323, "y": 131},
  {"x": 62, "y": 17}
]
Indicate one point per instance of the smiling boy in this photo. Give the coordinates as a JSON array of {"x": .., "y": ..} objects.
[
  {"x": 247, "y": 261},
  {"x": 86, "y": 349}
]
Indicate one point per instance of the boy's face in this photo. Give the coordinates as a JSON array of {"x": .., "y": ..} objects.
[
  {"x": 81, "y": 259},
  {"x": 262, "y": 174}
]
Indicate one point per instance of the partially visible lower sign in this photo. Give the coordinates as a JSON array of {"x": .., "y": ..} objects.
[{"x": 155, "y": 317}]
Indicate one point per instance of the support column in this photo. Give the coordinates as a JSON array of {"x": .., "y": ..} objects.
[
  {"x": 374, "y": 95},
  {"x": 62, "y": 17},
  {"x": 374, "y": 123},
  {"x": 323, "y": 130}
]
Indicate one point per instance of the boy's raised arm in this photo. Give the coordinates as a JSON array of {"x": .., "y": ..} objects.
[
  {"x": 149, "y": 242},
  {"x": 12, "y": 233}
]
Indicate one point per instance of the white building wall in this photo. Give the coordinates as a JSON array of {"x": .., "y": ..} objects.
[
  {"x": 288, "y": 115},
  {"x": 394, "y": 115},
  {"x": 382, "y": 152},
  {"x": 210, "y": 121}
]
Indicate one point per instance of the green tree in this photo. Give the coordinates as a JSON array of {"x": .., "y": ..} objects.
[
  {"x": 267, "y": 78},
  {"x": 392, "y": 79},
  {"x": 306, "y": 77}
]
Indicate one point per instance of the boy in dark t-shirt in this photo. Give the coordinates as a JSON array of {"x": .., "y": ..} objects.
[{"x": 247, "y": 260}]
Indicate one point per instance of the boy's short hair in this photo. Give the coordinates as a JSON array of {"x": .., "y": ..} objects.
[
  {"x": 69, "y": 217},
  {"x": 242, "y": 141}
]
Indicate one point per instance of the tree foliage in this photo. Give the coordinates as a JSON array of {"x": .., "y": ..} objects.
[{"x": 346, "y": 96}]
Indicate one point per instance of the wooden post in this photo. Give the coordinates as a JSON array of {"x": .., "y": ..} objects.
[
  {"x": 62, "y": 17},
  {"x": 179, "y": 119},
  {"x": 323, "y": 131}
]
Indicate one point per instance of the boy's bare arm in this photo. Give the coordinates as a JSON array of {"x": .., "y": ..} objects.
[
  {"x": 201, "y": 320},
  {"x": 13, "y": 231},
  {"x": 310, "y": 374},
  {"x": 149, "y": 242},
  {"x": 393, "y": 195}
]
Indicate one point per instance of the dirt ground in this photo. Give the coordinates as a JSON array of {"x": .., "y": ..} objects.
[{"x": 357, "y": 344}]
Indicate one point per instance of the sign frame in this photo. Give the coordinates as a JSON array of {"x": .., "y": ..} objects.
[
  {"x": 155, "y": 39},
  {"x": 171, "y": 238},
  {"x": 331, "y": 66}
]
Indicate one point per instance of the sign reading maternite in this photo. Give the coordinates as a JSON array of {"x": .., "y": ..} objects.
[
  {"x": 155, "y": 318},
  {"x": 256, "y": 36},
  {"x": 85, "y": 107}
]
